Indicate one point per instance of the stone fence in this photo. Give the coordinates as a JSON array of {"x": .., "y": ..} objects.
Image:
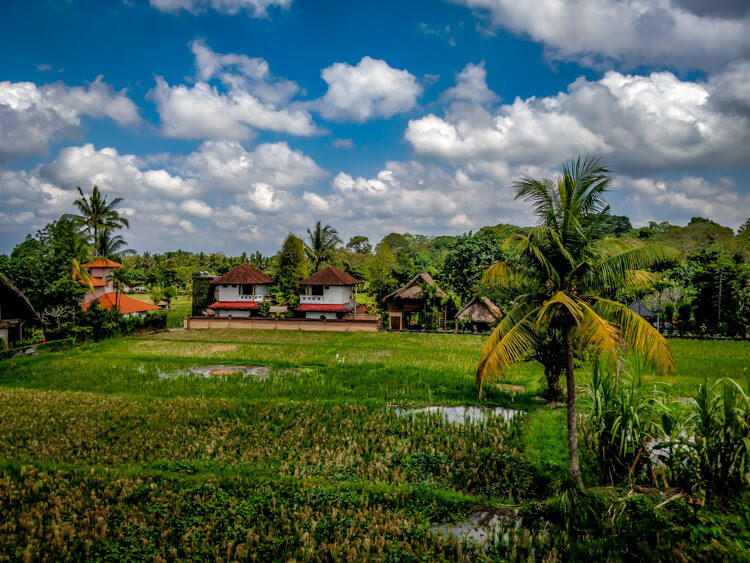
[{"x": 365, "y": 323}]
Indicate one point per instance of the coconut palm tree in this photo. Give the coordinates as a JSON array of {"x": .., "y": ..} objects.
[
  {"x": 97, "y": 214},
  {"x": 323, "y": 241},
  {"x": 112, "y": 247},
  {"x": 579, "y": 272}
]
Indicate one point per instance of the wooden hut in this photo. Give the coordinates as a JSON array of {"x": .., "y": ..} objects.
[
  {"x": 480, "y": 313},
  {"x": 405, "y": 305},
  {"x": 16, "y": 313}
]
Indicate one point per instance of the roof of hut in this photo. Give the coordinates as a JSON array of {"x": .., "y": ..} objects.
[
  {"x": 413, "y": 289},
  {"x": 638, "y": 307},
  {"x": 19, "y": 303},
  {"x": 480, "y": 310}
]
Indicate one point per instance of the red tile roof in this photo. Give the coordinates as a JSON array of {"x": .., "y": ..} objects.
[
  {"x": 234, "y": 305},
  {"x": 330, "y": 275},
  {"x": 102, "y": 263},
  {"x": 127, "y": 304},
  {"x": 95, "y": 282},
  {"x": 244, "y": 273},
  {"x": 321, "y": 308}
]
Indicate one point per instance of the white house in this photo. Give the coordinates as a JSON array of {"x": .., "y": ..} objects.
[
  {"x": 99, "y": 270},
  {"x": 241, "y": 291},
  {"x": 328, "y": 293}
]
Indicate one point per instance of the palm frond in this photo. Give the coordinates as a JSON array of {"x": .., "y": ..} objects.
[
  {"x": 595, "y": 333},
  {"x": 511, "y": 340},
  {"x": 560, "y": 300},
  {"x": 503, "y": 274},
  {"x": 608, "y": 273},
  {"x": 637, "y": 333}
]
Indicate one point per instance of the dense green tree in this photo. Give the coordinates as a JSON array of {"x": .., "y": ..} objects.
[
  {"x": 323, "y": 241},
  {"x": 580, "y": 272},
  {"x": 380, "y": 279},
  {"x": 292, "y": 267},
  {"x": 467, "y": 259},
  {"x": 359, "y": 244}
]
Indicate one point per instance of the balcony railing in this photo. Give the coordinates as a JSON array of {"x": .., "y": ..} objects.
[
  {"x": 255, "y": 298},
  {"x": 311, "y": 299}
]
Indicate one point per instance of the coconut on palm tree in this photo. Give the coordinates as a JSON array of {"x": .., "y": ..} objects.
[
  {"x": 97, "y": 214},
  {"x": 323, "y": 241},
  {"x": 579, "y": 273}
]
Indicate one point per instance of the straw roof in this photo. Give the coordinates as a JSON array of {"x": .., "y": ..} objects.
[
  {"x": 11, "y": 293},
  {"x": 413, "y": 290},
  {"x": 480, "y": 310}
]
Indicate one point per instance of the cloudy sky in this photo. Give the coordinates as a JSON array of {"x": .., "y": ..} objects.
[{"x": 226, "y": 124}]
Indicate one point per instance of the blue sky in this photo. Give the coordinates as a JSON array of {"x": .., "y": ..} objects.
[{"x": 225, "y": 124}]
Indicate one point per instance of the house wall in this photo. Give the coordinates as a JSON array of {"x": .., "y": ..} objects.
[
  {"x": 231, "y": 292},
  {"x": 98, "y": 292},
  {"x": 332, "y": 295},
  {"x": 318, "y": 314},
  {"x": 102, "y": 274},
  {"x": 234, "y": 313},
  {"x": 366, "y": 325}
]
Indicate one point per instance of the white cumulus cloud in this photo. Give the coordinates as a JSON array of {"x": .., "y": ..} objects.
[
  {"x": 630, "y": 32},
  {"x": 31, "y": 116},
  {"x": 368, "y": 90},
  {"x": 254, "y": 8}
]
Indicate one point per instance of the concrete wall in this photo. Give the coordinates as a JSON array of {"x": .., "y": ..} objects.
[
  {"x": 334, "y": 295},
  {"x": 370, "y": 325},
  {"x": 317, "y": 314},
  {"x": 232, "y": 293}
]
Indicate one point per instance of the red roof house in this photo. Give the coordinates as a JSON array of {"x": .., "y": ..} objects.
[
  {"x": 118, "y": 300},
  {"x": 240, "y": 291},
  {"x": 328, "y": 293}
]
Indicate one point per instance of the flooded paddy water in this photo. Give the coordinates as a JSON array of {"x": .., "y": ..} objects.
[
  {"x": 260, "y": 373},
  {"x": 463, "y": 415}
]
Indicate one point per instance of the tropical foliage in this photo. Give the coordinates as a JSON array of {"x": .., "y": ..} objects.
[
  {"x": 579, "y": 272},
  {"x": 97, "y": 215},
  {"x": 323, "y": 241}
]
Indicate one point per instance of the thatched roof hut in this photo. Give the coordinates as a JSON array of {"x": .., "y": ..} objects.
[
  {"x": 411, "y": 299},
  {"x": 480, "y": 310}
]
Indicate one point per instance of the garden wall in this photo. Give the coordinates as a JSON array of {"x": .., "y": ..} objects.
[{"x": 370, "y": 323}]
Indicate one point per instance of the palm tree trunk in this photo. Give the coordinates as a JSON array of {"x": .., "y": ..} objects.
[{"x": 573, "y": 462}]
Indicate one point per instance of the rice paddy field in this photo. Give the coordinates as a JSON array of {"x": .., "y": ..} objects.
[{"x": 261, "y": 445}]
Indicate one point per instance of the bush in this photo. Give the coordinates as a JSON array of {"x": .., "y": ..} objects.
[{"x": 621, "y": 421}]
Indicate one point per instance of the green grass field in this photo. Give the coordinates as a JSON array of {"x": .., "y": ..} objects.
[
  {"x": 179, "y": 308},
  {"x": 110, "y": 451}
]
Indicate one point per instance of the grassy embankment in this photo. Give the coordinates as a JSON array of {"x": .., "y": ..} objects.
[{"x": 102, "y": 457}]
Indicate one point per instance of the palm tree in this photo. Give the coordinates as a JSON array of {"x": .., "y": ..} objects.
[
  {"x": 108, "y": 246},
  {"x": 323, "y": 241},
  {"x": 97, "y": 215},
  {"x": 580, "y": 273}
]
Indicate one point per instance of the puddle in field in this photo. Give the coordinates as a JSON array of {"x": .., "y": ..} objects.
[
  {"x": 478, "y": 527},
  {"x": 463, "y": 415},
  {"x": 260, "y": 373}
]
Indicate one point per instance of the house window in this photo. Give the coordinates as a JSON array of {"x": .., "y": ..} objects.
[
  {"x": 247, "y": 289},
  {"x": 316, "y": 290}
]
